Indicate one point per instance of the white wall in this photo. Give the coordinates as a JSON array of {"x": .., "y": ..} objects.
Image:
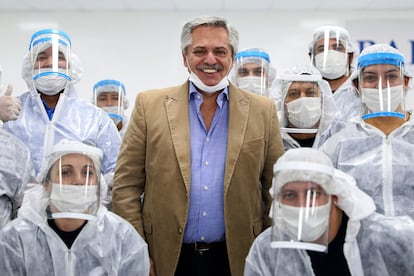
[{"x": 143, "y": 50}]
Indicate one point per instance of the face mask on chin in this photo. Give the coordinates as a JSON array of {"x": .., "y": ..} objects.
[{"x": 206, "y": 88}]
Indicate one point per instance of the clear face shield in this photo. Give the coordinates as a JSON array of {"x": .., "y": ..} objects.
[
  {"x": 303, "y": 106},
  {"x": 330, "y": 53},
  {"x": 109, "y": 95},
  {"x": 301, "y": 208},
  {"x": 73, "y": 183},
  {"x": 252, "y": 72},
  {"x": 49, "y": 53},
  {"x": 381, "y": 85}
]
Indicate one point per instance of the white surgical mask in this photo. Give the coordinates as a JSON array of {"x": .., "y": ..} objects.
[
  {"x": 207, "y": 88},
  {"x": 336, "y": 64},
  {"x": 113, "y": 112},
  {"x": 73, "y": 198},
  {"x": 51, "y": 84},
  {"x": 304, "y": 112},
  {"x": 371, "y": 98},
  {"x": 253, "y": 84},
  {"x": 312, "y": 228}
]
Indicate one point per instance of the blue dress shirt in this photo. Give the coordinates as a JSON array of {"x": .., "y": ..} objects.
[{"x": 205, "y": 221}]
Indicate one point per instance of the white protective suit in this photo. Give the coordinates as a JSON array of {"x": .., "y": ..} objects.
[
  {"x": 381, "y": 164},
  {"x": 327, "y": 125},
  {"x": 348, "y": 101},
  {"x": 73, "y": 119},
  {"x": 374, "y": 244},
  {"x": 16, "y": 171},
  {"x": 107, "y": 246}
]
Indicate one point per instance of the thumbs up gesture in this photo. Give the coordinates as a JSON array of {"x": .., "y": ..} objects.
[{"x": 9, "y": 105}]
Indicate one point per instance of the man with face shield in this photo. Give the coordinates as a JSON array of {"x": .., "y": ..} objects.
[
  {"x": 16, "y": 172},
  {"x": 377, "y": 148},
  {"x": 203, "y": 154},
  {"x": 307, "y": 111},
  {"x": 51, "y": 110},
  {"x": 75, "y": 233},
  {"x": 110, "y": 96},
  {"x": 333, "y": 54},
  {"x": 323, "y": 224},
  {"x": 252, "y": 71}
]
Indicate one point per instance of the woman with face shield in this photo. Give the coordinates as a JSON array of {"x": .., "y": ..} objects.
[
  {"x": 71, "y": 223},
  {"x": 307, "y": 109},
  {"x": 110, "y": 96},
  {"x": 324, "y": 225},
  {"x": 377, "y": 148},
  {"x": 51, "y": 110}
]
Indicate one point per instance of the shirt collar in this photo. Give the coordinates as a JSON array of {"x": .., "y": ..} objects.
[{"x": 223, "y": 95}]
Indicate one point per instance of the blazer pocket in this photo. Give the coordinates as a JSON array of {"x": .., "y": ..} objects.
[{"x": 257, "y": 228}]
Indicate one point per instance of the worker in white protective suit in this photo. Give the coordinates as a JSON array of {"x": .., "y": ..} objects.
[
  {"x": 63, "y": 229},
  {"x": 377, "y": 148},
  {"x": 110, "y": 96},
  {"x": 51, "y": 110},
  {"x": 253, "y": 71},
  {"x": 16, "y": 172},
  {"x": 307, "y": 108},
  {"x": 333, "y": 53},
  {"x": 323, "y": 224}
]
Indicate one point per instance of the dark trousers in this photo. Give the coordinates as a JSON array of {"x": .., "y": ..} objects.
[{"x": 205, "y": 260}]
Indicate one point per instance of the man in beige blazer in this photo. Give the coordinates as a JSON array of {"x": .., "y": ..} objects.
[{"x": 161, "y": 144}]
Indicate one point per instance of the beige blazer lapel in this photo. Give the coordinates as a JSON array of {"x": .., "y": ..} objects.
[
  {"x": 239, "y": 106},
  {"x": 176, "y": 106}
]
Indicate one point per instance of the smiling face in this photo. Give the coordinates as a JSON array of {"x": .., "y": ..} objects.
[{"x": 209, "y": 55}]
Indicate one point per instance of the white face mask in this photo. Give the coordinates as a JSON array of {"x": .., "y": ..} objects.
[
  {"x": 113, "y": 112},
  {"x": 253, "y": 84},
  {"x": 312, "y": 227},
  {"x": 207, "y": 88},
  {"x": 73, "y": 198},
  {"x": 304, "y": 112},
  {"x": 370, "y": 96},
  {"x": 336, "y": 64},
  {"x": 51, "y": 84}
]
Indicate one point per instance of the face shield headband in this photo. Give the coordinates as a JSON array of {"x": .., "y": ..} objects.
[
  {"x": 382, "y": 101},
  {"x": 252, "y": 71},
  {"x": 302, "y": 204},
  {"x": 60, "y": 44},
  {"x": 302, "y": 77},
  {"x": 105, "y": 101}
]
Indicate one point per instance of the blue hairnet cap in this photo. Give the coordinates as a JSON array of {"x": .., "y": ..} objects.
[
  {"x": 380, "y": 54},
  {"x": 39, "y": 37},
  {"x": 381, "y": 58},
  {"x": 108, "y": 83},
  {"x": 253, "y": 53}
]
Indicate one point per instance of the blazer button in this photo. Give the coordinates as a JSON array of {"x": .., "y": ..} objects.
[{"x": 180, "y": 230}]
